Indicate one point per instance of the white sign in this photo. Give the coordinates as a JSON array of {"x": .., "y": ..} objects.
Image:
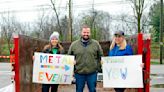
[
  {"x": 53, "y": 68},
  {"x": 122, "y": 72}
]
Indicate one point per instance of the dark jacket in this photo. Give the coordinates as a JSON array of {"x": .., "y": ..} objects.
[
  {"x": 87, "y": 56},
  {"x": 48, "y": 49}
]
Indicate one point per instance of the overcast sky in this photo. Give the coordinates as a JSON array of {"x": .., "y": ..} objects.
[{"x": 27, "y": 10}]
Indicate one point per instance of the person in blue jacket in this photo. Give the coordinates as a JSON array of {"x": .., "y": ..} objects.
[{"x": 119, "y": 47}]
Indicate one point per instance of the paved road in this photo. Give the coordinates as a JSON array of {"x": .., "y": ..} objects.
[
  {"x": 157, "y": 77},
  {"x": 156, "y": 89},
  {"x": 5, "y": 74},
  {"x": 157, "y": 60}
]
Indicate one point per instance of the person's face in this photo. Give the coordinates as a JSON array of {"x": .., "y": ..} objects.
[
  {"x": 54, "y": 41},
  {"x": 119, "y": 39},
  {"x": 85, "y": 34}
]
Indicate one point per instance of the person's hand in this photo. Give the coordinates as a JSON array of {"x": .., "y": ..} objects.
[
  {"x": 73, "y": 79},
  {"x": 33, "y": 57},
  {"x": 60, "y": 46},
  {"x": 101, "y": 62},
  {"x": 74, "y": 62},
  {"x": 142, "y": 65}
]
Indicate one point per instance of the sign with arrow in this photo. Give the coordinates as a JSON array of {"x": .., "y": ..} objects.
[{"x": 53, "y": 68}]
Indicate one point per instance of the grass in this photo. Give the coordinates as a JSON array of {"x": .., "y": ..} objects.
[
  {"x": 158, "y": 86},
  {"x": 154, "y": 63},
  {"x": 155, "y": 52},
  {"x": 5, "y": 50},
  {"x": 4, "y": 60}
]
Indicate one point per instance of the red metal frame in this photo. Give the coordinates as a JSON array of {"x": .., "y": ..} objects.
[
  {"x": 147, "y": 66},
  {"x": 140, "y": 48},
  {"x": 16, "y": 50},
  {"x": 140, "y": 43},
  {"x": 146, "y": 73}
]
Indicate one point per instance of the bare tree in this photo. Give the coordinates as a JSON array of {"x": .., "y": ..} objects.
[
  {"x": 125, "y": 23},
  {"x": 1, "y": 42},
  {"x": 9, "y": 25},
  {"x": 65, "y": 33},
  {"x": 70, "y": 21},
  {"x": 102, "y": 22},
  {"x": 46, "y": 24},
  {"x": 6, "y": 29},
  {"x": 40, "y": 24},
  {"x": 138, "y": 8},
  {"x": 57, "y": 16}
]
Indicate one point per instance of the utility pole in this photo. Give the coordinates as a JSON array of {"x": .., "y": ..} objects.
[
  {"x": 93, "y": 19},
  {"x": 70, "y": 21},
  {"x": 93, "y": 10},
  {"x": 161, "y": 32}
]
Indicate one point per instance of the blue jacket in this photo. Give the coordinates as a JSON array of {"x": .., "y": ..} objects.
[{"x": 117, "y": 52}]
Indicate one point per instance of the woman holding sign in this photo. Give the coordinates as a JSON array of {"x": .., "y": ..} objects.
[
  {"x": 119, "y": 47},
  {"x": 54, "y": 47}
]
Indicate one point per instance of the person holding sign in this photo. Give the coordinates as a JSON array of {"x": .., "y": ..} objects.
[
  {"x": 54, "y": 47},
  {"x": 119, "y": 47},
  {"x": 87, "y": 54}
]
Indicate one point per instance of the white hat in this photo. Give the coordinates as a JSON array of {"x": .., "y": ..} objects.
[{"x": 54, "y": 35}]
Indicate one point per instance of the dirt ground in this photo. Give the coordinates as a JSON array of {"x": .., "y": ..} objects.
[{"x": 99, "y": 88}]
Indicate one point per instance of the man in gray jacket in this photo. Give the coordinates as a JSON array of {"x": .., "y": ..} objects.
[{"x": 87, "y": 54}]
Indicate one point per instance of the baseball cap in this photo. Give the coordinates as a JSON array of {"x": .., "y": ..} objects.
[{"x": 119, "y": 33}]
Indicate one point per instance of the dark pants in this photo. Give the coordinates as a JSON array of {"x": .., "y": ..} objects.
[
  {"x": 46, "y": 87},
  {"x": 90, "y": 79},
  {"x": 119, "y": 89}
]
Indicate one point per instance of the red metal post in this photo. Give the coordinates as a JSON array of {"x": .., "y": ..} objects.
[
  {"x": 140, "y": 48},
  {"x": 147, "y": 66},
  {"x": 16, "y": 50},
  {"x": 140, "y": 43}
]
